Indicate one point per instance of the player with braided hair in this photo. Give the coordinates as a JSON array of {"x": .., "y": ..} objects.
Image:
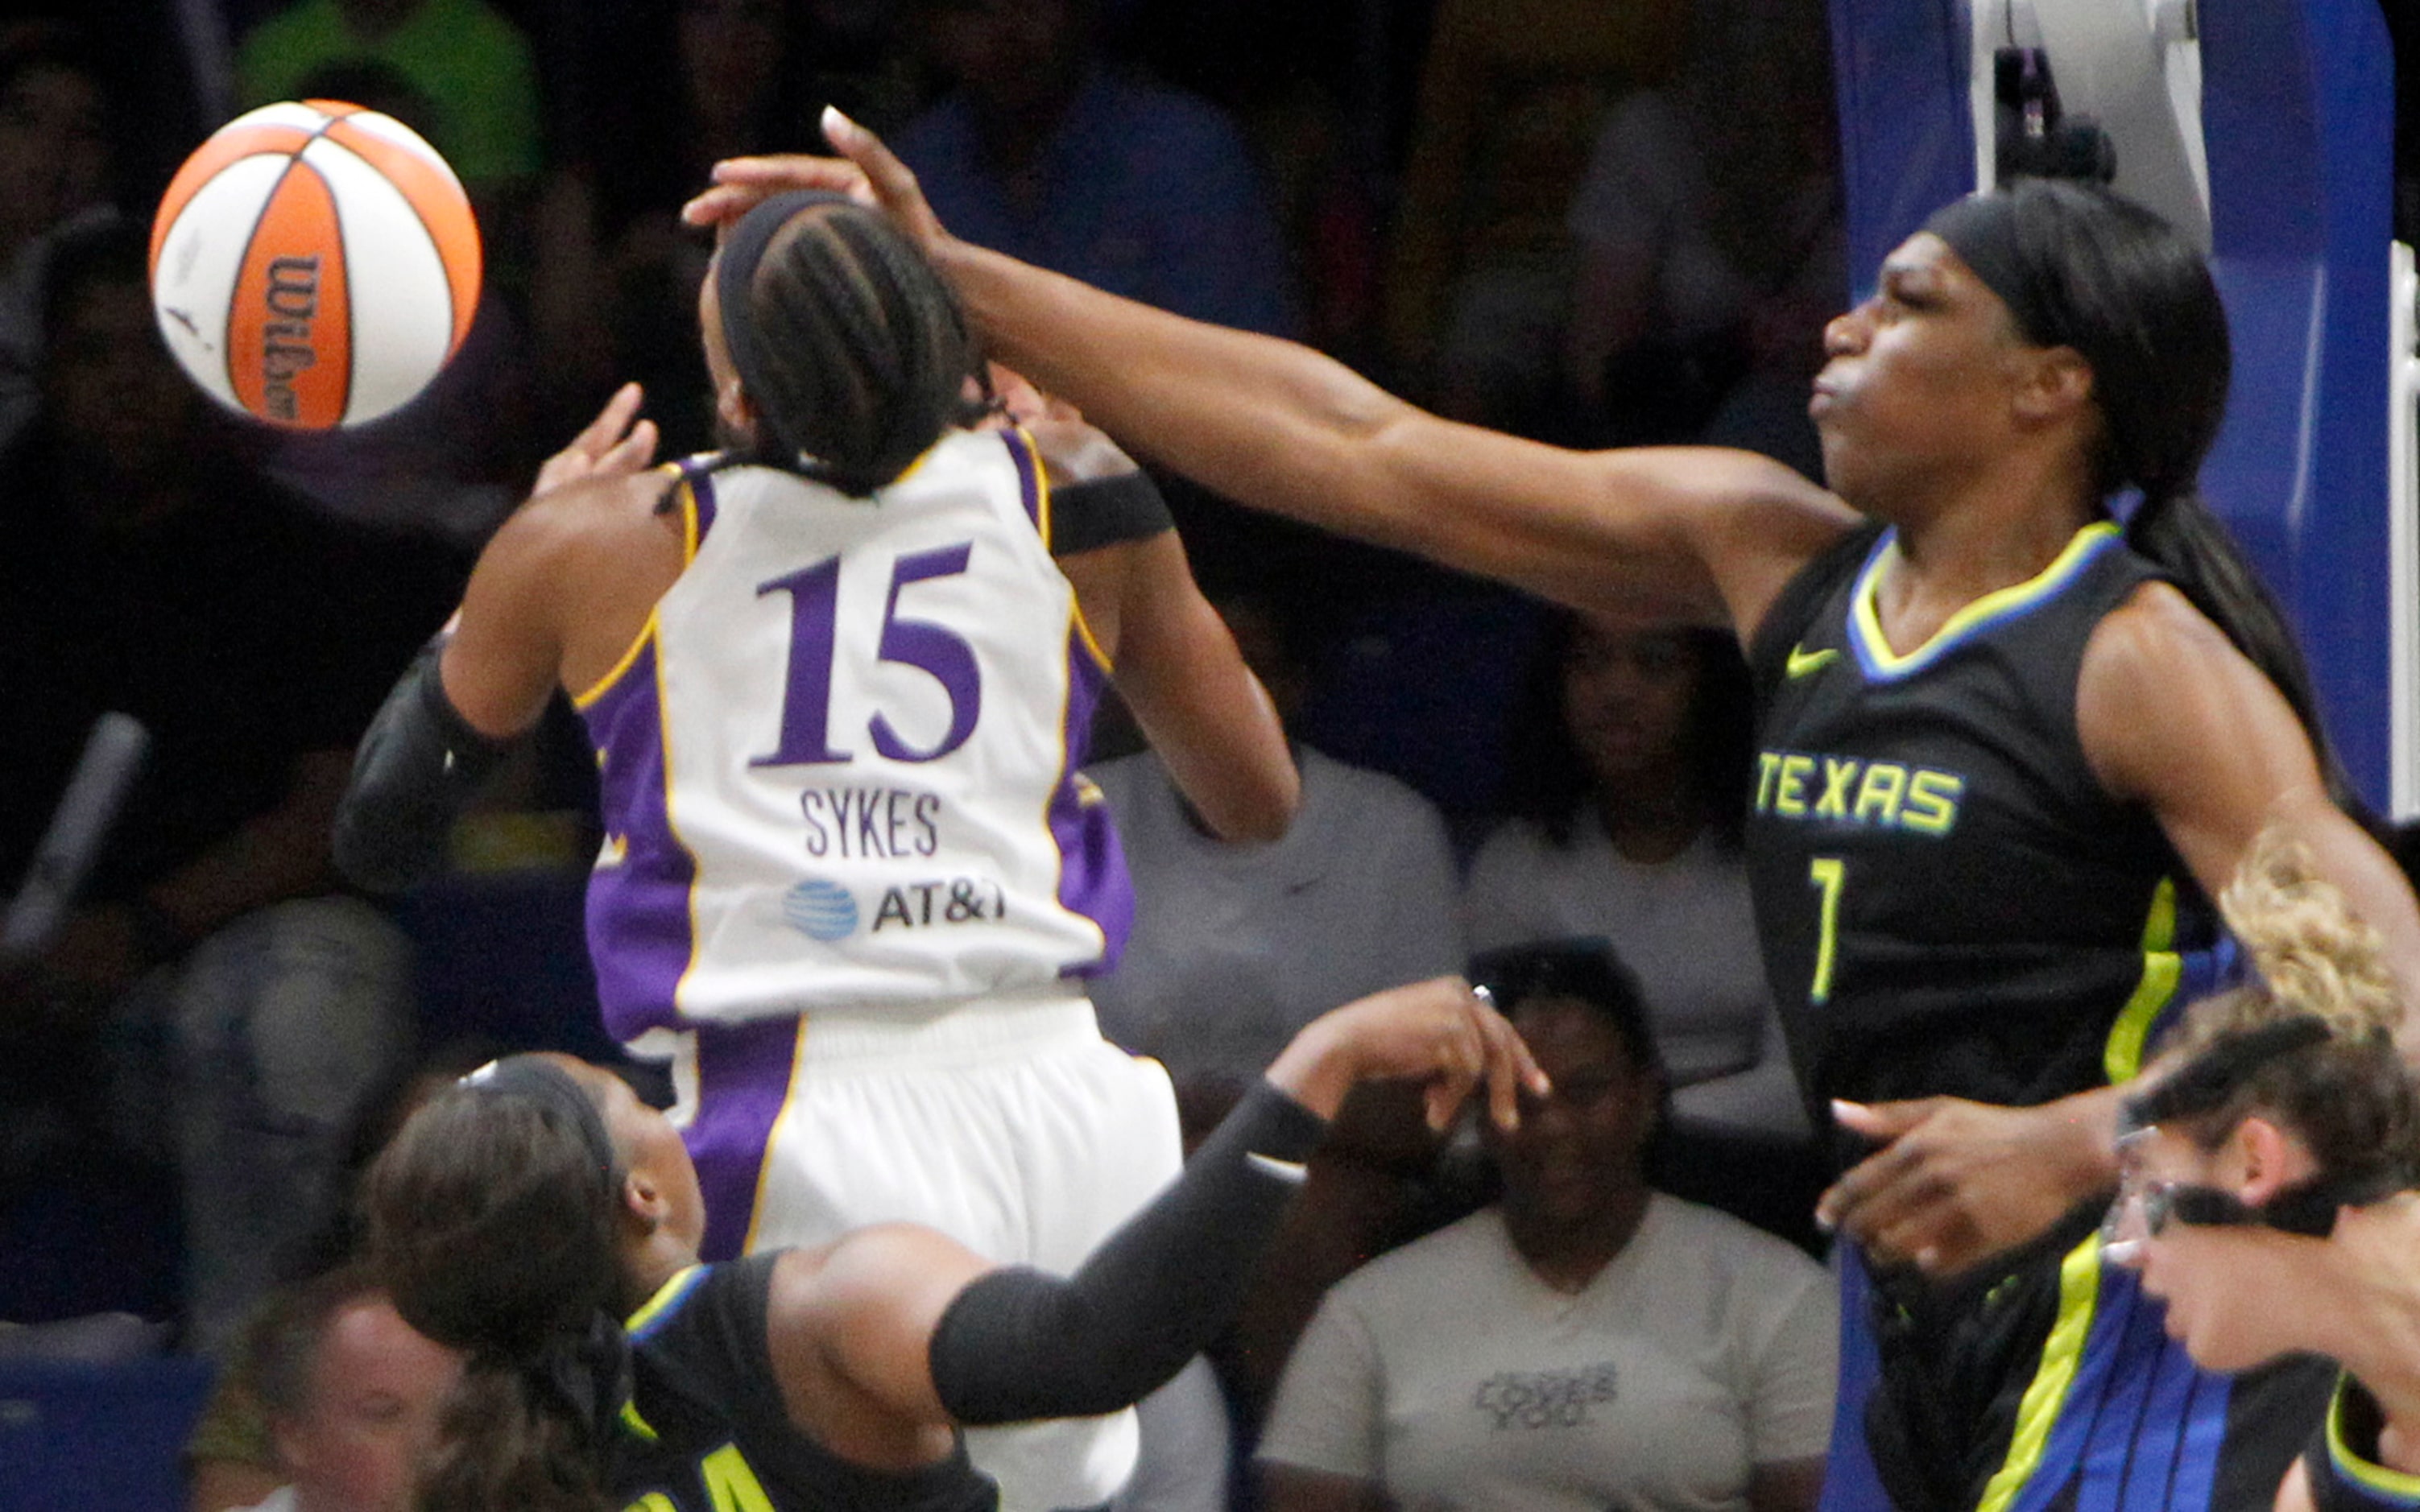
[{"x": 839, "y": 679}]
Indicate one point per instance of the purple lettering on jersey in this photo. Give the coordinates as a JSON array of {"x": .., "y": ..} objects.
[
  {"x": 1092, "y": 878},
  {"x": 806, "y": 692},
  {"x": 639, "y": 930},
  {"x": 743, "y": 1073},
  {"x": 948, "y": 659}
]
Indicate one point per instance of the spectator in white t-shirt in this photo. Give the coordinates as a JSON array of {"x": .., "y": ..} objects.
[
  {"x": 1583, "y": 1343},
  {"x": 1626, "y": 776}
]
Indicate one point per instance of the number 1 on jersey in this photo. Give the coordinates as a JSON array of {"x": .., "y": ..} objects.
[{"x": 1826, "y": 871}]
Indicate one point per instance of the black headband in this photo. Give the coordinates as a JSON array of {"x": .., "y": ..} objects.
[
  {"x": 2203, "y": 1084},
  {"x": 734, "y": 274},
  {"x": 551, "y": 1087},
  {"x": 1983, "y": 230}
]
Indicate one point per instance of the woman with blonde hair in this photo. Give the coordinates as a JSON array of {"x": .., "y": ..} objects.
[{"x": 2268, "y": 1181}]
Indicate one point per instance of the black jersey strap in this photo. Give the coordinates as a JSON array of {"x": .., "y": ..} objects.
[
  {"x": 1098, "y": 512},
  {"x": 1018, "y": 1344},
  {"x": 417, "y": 767}
]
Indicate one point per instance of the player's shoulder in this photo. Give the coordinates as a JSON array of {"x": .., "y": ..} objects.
[{"x": 2152, "y": 638}]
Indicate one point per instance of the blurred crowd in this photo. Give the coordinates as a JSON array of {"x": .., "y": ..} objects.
[{"x": 1591, "y": 224}]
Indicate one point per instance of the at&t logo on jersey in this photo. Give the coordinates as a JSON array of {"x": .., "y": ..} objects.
[
  {"x": 826, "y": 911},
  {"x": 820, "y": 910}
]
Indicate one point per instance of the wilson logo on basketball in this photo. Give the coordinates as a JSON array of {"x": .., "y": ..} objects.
[{"x": 286, "y": 349}]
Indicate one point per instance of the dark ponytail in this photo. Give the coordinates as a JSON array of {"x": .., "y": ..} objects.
[
  {"x": 494, "y": 1231},
  {"x": 2179, "y": 532},
  {"x": 2081, "y": 267},
  {"x": 502, "y": 1445}
]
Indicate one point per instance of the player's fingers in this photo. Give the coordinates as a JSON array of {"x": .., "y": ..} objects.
[
  {"x": 611, "y": 422},
  {"x": 1906, "y": 1215},
  {"x": 1882, "y": 1120},
  {"x": 893, "y": 185},
  {"x": 632, "y": 454},
  {"x": 1511, "y": 1067},
  {"x": 775, "y": 172},
  {"x": 1861, "y": 1182},
  {"x": 719, "y": 205}
]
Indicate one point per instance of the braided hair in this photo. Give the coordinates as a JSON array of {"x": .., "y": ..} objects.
[{"x": 853, "y": 351}]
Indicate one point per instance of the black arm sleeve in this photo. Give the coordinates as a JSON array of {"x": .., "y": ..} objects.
[
  {"x": 1124, "y": 506},
  {"x": 1018, "y": 1344},
  {"x": 416, "y": 768}
]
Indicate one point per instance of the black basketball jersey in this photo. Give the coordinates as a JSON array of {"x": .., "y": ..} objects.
[
  {"x": 1949, "y": 901},
  {"x": 2343, "y": 1460},
  {"x": 706, "y": 1430}
]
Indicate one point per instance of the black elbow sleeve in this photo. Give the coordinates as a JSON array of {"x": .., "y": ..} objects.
[
  {"x": 417, "y": 767},
  {"x": 1018, "y": 1344},
  {"x": 1099, "y": 512}
]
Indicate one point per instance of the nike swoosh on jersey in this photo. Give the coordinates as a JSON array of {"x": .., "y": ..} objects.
[
  {"x": 1803, "y": 661},
  {"x": 1284, "y": 1170}
]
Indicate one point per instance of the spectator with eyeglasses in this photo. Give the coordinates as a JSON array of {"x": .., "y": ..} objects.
[{"x": 2267, "y": 1182}]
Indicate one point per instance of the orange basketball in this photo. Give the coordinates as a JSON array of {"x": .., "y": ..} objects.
[{"x": 314, "y": 264}]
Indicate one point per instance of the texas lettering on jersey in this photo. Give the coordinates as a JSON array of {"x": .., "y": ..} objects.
[{"x": 1805, "y": 785}]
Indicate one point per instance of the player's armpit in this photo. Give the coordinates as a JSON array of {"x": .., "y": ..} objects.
[
  {"x": 2171, "y": 715},
  {"x": 1177, "y": 668}
]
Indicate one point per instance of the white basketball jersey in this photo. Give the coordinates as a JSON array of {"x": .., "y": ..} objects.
[{"x": 838, "y": 767}]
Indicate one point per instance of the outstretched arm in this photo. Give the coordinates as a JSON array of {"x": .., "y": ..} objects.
[
  {"x": 913, "y": 1330},
  {"x": 1692, "y": 534}
]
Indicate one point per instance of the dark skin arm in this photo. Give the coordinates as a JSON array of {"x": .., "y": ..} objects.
[
  {"x": 851, "y": 1325},
  {"x": 1690, "y": 535},
  {"x": 2174, "y": 717},
  {"x": 1175, "y": 664}
]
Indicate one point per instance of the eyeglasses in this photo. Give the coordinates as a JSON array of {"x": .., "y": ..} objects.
[{"x": 2147, "y": 1204}]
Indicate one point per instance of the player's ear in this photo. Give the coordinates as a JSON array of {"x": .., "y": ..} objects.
[
  {"x": 732, "y": 403},
  {"x": 2051, "y": 384},
  {"x": 2263, "y": 1160},
  {"x": 644, "y": 1202}
]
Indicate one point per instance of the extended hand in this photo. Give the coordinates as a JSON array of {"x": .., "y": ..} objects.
[
  {"x": 1959, "y": 1181},
  {"x": 610, "y": 447},
  {"x": 866, "y": 172},
  {"x": 1438, "y": 1032}
]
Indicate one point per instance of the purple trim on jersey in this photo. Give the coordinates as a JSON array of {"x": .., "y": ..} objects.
[
  {"x": 638, "y": 926},
  {"x": 743, "y": 1078},
  {"x": 701, "y": 487},
  {"x": 1028, "y": 477},
  {"x": 1092, "y": 879}
]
